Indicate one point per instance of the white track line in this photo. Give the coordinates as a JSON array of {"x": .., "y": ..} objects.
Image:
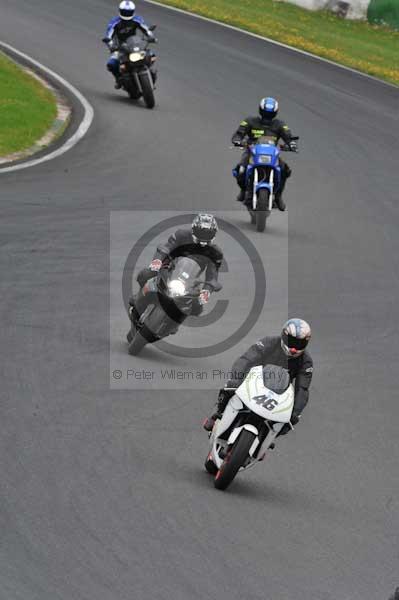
[
  {"x": 270, "y": 41},
  {"x": 76, "y": 137}
]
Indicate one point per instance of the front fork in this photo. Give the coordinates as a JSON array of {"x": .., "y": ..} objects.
[
  {"x": 255, "y": 189},
  {"x": 137, "y": 78},
  {"x": 230, "y": 413}
]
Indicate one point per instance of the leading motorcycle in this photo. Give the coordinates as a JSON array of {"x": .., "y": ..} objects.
[
  {"x": 251, "y": 421},
  {"x": 136, "y": 67},
  {"x": 262, "y": 177},
  {"x": 172, "y": 295}
]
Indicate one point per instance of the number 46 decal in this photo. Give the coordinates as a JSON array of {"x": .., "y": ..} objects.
[{"x": 267, "y": 403}]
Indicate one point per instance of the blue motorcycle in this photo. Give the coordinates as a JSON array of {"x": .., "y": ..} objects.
[{"x": 262, "y": 178}]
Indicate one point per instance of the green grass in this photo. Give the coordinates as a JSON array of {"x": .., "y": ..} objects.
[
  {"x": 368, "y": 48},
  {"x": 384, "y": 11},
  {"x": 27, "y": 109}
]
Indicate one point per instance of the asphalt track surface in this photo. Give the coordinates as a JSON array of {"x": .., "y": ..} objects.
[{"x": 103, "y": 495}]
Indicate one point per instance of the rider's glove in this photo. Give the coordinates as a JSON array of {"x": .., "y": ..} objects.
[
  {"x": 204, "y": 296},
  {"x": 289, "y": 426},
  {"x": 294, "y": 419},
  {"x": 156, "y": 264},
  {"x": 293, "y": 146}
]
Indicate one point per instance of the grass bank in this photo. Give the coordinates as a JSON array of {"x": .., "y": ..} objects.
[
  {"x": 369, "y": 48},
  {"x": 27, "y": 108}
]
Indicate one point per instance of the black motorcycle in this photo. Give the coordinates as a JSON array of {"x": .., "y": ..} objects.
[
  {"x": 137, "y": 73},
  {"x": 173, "y": 296}
]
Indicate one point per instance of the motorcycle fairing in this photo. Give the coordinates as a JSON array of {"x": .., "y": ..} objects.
[{"x": 263, "y": 401}]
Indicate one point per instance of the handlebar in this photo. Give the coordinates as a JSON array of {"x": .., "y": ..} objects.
[{"x": 283, "y": 147}]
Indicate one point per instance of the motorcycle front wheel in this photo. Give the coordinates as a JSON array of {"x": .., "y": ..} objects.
[
  {"x": 262, "y": 209},
  {"x": 235, "y": 459},
  {"x": 148, "y": 91}
]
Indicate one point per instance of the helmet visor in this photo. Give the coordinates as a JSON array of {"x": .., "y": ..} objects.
[
  {"x": 292, "y": 342},
  {"x": 203, "y": 234},
  {"x": 126, "y": 13}
]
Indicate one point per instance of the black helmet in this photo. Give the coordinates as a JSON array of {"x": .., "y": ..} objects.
[
  {"x": 204, "y": 229},
  {"x": 268, "y": 108},
  {"x": 295, "y": 337}
]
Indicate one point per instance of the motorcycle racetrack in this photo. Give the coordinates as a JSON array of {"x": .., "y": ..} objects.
[{"x": 103, "y": 491}]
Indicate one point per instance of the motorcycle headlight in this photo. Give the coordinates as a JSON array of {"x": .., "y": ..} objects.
[
  {"x": 176, "y": 288},
  {"x": 136, "y": 56},
  {"x": 265, "y": 159}
]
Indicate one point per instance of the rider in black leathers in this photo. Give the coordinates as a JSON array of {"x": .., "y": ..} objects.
[
  {"x": 198, "y": 243},
  {"x": 287, "y": 351},
  {"x": 253, "y": 128}
]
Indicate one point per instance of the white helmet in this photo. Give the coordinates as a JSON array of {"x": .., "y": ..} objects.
[
  {"x": 295, "y": 337},
  {"x": 126, "y": 10}
]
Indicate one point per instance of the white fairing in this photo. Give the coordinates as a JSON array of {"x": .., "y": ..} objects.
[{"x": 262, "y": 401}]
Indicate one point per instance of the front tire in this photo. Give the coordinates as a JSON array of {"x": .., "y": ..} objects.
[
  {"x": 148, "y": 92},
  {"x": 137, "y": 344},
  {"x": 262, "y": 209},
  {"x": 131, "y": 88},
  {"x": 234, "y": 460}
]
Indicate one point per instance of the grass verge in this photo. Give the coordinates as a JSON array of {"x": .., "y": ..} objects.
[
  {"x": 27, "y": 108},
  {"x": 369, "y": 48}
]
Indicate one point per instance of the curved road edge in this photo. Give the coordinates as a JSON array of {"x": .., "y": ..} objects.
[
  {"x": 88, "y": 112},
  {"x": 271, "y": 41}
]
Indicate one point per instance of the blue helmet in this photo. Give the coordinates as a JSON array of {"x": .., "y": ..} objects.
[
  {"x": 126, "y": 10},
  {"x": 268, "y": 108}
]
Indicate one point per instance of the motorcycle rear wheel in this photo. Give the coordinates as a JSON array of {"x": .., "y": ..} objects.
[{"x": 234, "y": 460}]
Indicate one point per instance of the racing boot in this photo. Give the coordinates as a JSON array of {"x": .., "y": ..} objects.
[
  {"x": 280, "y": 202},
  {"x": 248, "y": 198},
  {"x": 209, "y": 422},
  {"x": 118, "y": 83},
  {"x": 241, "y": 196},
  {"x": 154, "y": 75},
  {"x": 285, "y": 174},
  {"x": 223, "y": 398}
]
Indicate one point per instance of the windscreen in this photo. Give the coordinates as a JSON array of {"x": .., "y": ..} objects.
[
  {"x": 186, "y": 269},
  {"x": 276, "y": 379},
  {"x": 137, "y": 41},
  {"x": 267, "y": 139}
]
